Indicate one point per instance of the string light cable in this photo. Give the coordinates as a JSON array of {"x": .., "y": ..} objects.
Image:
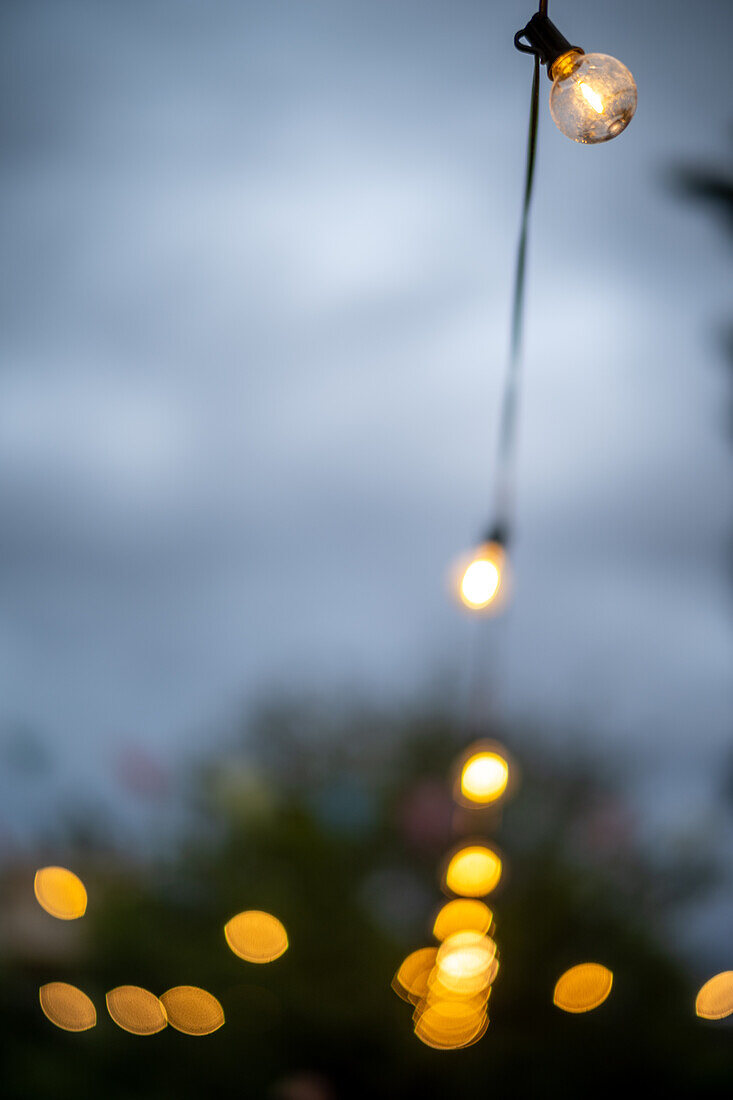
[{"x": 592, "y": 99}]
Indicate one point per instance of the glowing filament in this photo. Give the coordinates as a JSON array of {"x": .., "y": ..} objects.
[{"x": 591, "y": 97}]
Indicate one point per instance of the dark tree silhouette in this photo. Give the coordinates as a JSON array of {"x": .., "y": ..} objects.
[{"x": 338, "y": 823}]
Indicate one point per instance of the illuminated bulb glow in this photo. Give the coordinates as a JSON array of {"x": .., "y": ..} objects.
[
  {"x": 480, "y": 583},
  {"x": 136, "y": 1010},
  {"x": 67, "y": 1007},
  {"x": 192, "y": 1010},
  {"x": 480, "y": 577},
  {"x": 715, "y": 999},
  {"x": 450, "y": 1026},
  {"x": 484, "y": 777},
  {"x": 474, "y": 992},
  {"x": 256, "y": 936},
  {"x": 60, "y": 892},
  {"x": 591, "y": 97},
  {"x": 411, "y": 980},
  {"x": 465, "y": 954},
  {"x": 583, "y": 987},
  {"x": 464, "y": 963},
  {"x": 473, "y": 871},
  {"x": 465, "y": 987},
  {"x": 453, "y": 984},
  {"x": 450, "y": 1015},
  {"x": 462, "y": 915}
]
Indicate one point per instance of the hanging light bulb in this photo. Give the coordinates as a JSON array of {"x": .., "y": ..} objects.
[
  {"x": 482, "y": 577},
  {"x": 484, "y": 775},
  {"x": 593, "y": 96}
]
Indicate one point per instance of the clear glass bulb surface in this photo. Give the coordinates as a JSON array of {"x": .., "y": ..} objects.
[{"x": 593, "y": 96}]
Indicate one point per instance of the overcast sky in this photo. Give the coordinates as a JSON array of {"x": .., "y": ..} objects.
[{"x": 256, "y": 271}]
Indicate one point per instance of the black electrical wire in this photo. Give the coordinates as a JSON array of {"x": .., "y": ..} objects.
[
  {"x": 507, "y": 445},
  {"x": 483, "y": 676}
]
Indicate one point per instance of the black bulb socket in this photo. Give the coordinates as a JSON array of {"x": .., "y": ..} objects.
[
  {"x": 498, "y": 533},
  {"x": 544, "y": 40}
]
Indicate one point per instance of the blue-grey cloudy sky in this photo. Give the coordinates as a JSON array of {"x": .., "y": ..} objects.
[{"x": 256, "y": 272}]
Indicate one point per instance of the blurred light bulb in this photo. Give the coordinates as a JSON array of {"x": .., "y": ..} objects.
[
  {"x": 473, "y": 871},
  {"x": 481, "y": 580},
  {"x": 583, "y": 987},
  {"x": 715, "y": 999},
  {"x": 593, "y": 96},
  {"x": 484, "y": 777},
  {"x": 60, "y": 892},
  {"x": 462, "y": 915},
  {"x": 463, "y": 957}
]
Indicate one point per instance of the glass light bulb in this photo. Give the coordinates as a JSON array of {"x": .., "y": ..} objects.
[
  {"x": 480, "y": 583},
  {"x": 481, "y": 578},
  {"x": 593, "y": 96},
  {"x": 484, "y": 777}
]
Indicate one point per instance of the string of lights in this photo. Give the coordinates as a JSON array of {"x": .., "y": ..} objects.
[{"x": 593, "y": 99}]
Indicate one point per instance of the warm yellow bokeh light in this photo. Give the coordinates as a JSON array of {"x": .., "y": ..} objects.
[
  {"x": 450, "y": 1025},
  {"x": 449, "y": 1042},
  {"x": 462, "y": 915},
  {"x": 480, "y": 583},
  {"x": 478, "y": 996},
  {"x": 484, "y": 777},
  {"x": 192, "y": 1010},
  {"x": 715, "y": 999},
  {"x": 411, "y": 980},
  {"x": 256, "y": 936},
  {"x": 67, "y": 1007},
  {"x": 583, "y": 987},
  {"x": 481, "y": 577},
  {"x": 473, "y": 871},
  {"x": 447, "y": 1015},
  {"x": 464, "y": 961},
  {"x": 591, "y": 97},
  {"x": 136, "y": 1010},
  {"x": 60, "y": 892},
  {"x": 444, "y": 986}
]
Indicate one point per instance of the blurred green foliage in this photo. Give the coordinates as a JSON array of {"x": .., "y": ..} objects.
[{"x": 338, "y": 823}]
